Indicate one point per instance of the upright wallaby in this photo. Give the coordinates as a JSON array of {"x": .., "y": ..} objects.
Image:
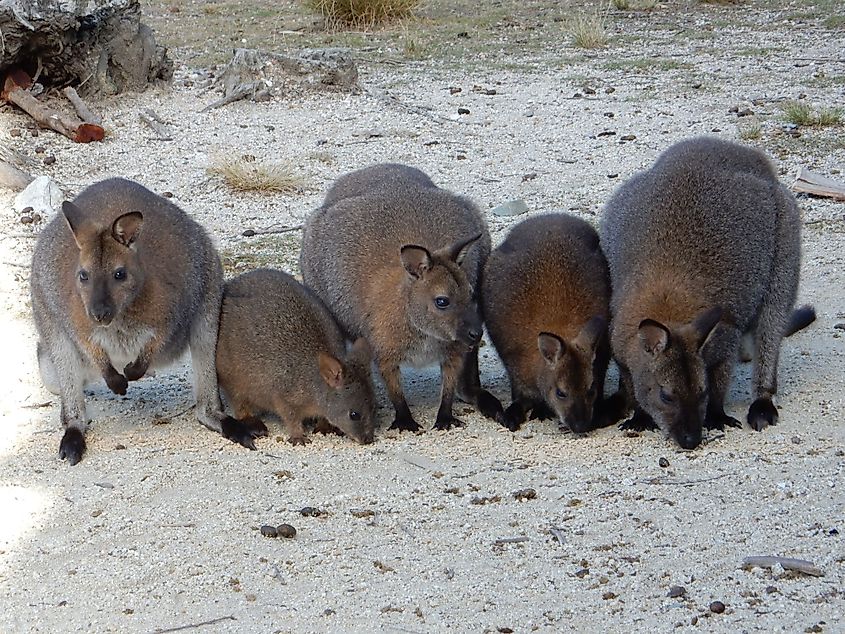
[
  {"x": 124, "y": 279},
  {"x": 398, "y": 261},
  {"x": 281, "y": 351},
  {"x": 702, "y": 248},
  {"x": 546, "y": 296}
]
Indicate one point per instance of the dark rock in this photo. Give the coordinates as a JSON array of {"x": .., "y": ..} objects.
[
  {"x": 676, "y": 591},
  {"x": 663, "y": 462},
  {"x": 14, "y": 132},
  {"x": 49, "y": 160},
  {"x": 26, "y": 220},
  {"x": 286, "y": 530},
  {"x": 269, "y": 531},
  {"x": 463, "y": 110},
  {"x": 717, "y": 607}
]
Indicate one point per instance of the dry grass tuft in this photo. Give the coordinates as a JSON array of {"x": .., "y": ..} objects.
[
  {"x": 588, "y": 29},
  {"x": 245, "y": 173},
  {"x": 802, "y": 114},
  {"x": 362, "y": 13},
  {"x": 751, "y": 132}
]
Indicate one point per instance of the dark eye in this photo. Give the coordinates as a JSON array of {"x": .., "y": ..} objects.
[
  {"x": 666, "y": 397},
  {"x": 83, "y": 276},
  {"x": 353, "y": 415},
  {"x": 120, "y": 274},
  {"x": 441, "y": 302},
  {"x": 560, "y": 393}
]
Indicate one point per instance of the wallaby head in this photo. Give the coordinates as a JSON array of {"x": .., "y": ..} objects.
[
  {"x": 108, "y": 275},
  {"x": 440, "y": 300},
  {"x": 670, "y": 376},
  {"x": 566, "y": 380},
  {"x": 350, "y": 402}
]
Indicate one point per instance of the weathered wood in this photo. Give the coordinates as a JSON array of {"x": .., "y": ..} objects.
[
  {"x": 81, "y": 107},
  {"x": 808, "y": 182},
  {"x": 99, "y": 46},
  {"x": 787, "y": 563}
]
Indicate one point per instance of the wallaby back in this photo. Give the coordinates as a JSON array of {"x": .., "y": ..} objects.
[
  {"x": 279, "y": 350},
  {"x": 123, "y": 280},
  {"x": 398, "y": 265},
  {"x": 702, "y": 247},
  {"x": 546, "y": 295}
]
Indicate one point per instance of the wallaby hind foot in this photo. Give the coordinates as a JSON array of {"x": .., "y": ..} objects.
[
  {"x": 72, "y": 446},
  {"x": 762, "y": 414},
  {"x": 243, "y": 432}
]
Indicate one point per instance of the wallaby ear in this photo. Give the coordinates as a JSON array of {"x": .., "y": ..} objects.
[
  {"x": 654, "y": 336},
  {"x": 458, "y": 251},
  {"x": 76, "y": 220},
  {"x": 705, "y": 323},
  {"x": 551, "y": 347},
  {"x": 592, "y": 331},
  {"x": 416, "y": 260},
  {"x": 361, "y": 352},
  {"x": 331, "y": 370},
  {"x": 125, "y": 229}
]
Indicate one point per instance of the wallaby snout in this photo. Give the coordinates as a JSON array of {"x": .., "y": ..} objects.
[{"x": 471, "y": 328}]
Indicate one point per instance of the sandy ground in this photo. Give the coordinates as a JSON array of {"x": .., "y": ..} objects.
[{"x": 157, "y": 527}]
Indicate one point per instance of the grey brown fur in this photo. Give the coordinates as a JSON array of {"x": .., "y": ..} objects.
[
  {"x": 382, "y": 249},
  {"x": 702, "y": 248},
  {"x": 92, "y": 324},
  {"x": 280, "y": 351},
  {"x": 546, "y": 297}
]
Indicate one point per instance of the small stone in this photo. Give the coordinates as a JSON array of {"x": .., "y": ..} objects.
[
  {"x": 628, "y": 137},
  {"x": 120, "y": 447},
  {"x": 36, "y": 218},
  {"x": 285, "y": 530},
  {"x": 610, "y": 89},
  {"x": 771, "y": 589},
  {"x": 463, "y": 110},
  {"x": 49, "y": 160},
  {"x": 694, "y": 620},
  {"x": 745, "y": 112},
  {"x": 311, "y": 511},
  {"x": 328, "y": 612},
  {"x": 607, "y": 596},
  {"x": 676, "y": 591},
  {"x": 525, "y": 494},
  {"x": 840, "y": 326},
  {"x": 361, "y": 513},
  {"x": 510, "y": 208},
  {"x": 96, "y": 513},
  {"x": 14, "y": 132},
  {"x": 733, "y": 109},
  {"x": 248, "y": 233},
  {"x": 696, "y": 85},
  {"x": 463, "y": 35},
  {"x": 33, "y": 132},
  {"x": 589, "y": 90},
  {"x": 663, "y": 462},
  {"x": 269, "y": 531},
  {"x": 613, "y": 175},
  {"x": 26, "y": 210},
  {"x": 26, "y": 220},
  {"x": 813, "y": 629},
  {"x": 582, "y": 573},
  {"x": 454, "y": 90},
  {"x": 167, "y": 194},
  {"x": 717, "y": 607},
  {"x": 504, "y": 630},
  {"x": 40, "y": 149},
  {"x": 606, "y": 133}
]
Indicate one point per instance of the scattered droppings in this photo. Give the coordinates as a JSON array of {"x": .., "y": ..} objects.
[
  {"x": 485, "y": 500},
  {"x": 717, "y": 607},
  {"x": 676, "y": 591},
  {"x": 269, "y": 531},
  {"x": 663, "y": 462},
  {"x": 311, "y": 511},
  {"x": 524, "y": 494},
  {"x": 285, "y": 530},
  {"x": 26, "y": 220}
]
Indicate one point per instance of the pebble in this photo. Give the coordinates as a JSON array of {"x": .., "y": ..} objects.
[
  {"x": 454, "y": 90},
  {"x": 745, "y": 112},
  {"x": 510, "y": 208},
  {"x": 463, "y": 110},
  {"x": 610, "y": 89},
  {"x": 49, "y": 160},
  {"x": 248, "y": 233},
  {"x": 525, "y": 494},
  {"x": 840, "y": 326},
  {"x": 14, "y": 132},
  {"x": 663, "y": 462},
  {"x": 36, "y": 218},
  {"x": 676, "y": 591},
  {"x": 717, "y": 607},
  {"x": 26, "y": 220},
  {"x": 40, "y": 149},
  {"x": 589, "y": 90},
  {"x": 269, "y": 531},
  {"x": 167, "y": 194},
  {"x": 311, "y": 511},
  {"x": 33, "y": 132},
  {"x": 628, "y": 137},
  {"x": 286, "y": 530}
]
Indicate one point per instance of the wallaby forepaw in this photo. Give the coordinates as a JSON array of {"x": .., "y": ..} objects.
[
  {"x": 117, "y": 383},
  {"x": 135, "y": 370},
  {"x": 72, "y": 446},
  {"x": 640, "y": 421},
  {"x": 541, "y": 411},
  {"x": 240, "y": 432},
  {"x": 720, "y": 421},
  {"x": 489, "y": 405},
  {"x": 513, "y": 417},
  {"x": 448, "y": 422},
  {"x": 609, "y": 411},
  {"x": 762, "y": 413},
  {"x": 256, "y": 426},
  {"x": 405, "y": 424},
  {"x": 298, "y": 441}
]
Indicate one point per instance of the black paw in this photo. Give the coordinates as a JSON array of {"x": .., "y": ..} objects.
[
  {"x": 489, "y": 405},
  {"x": 514, "y": 416},
  {"x": 721, "y": 420},
  {"x": 541, "y": 411},
  {"x": 72, "y": 446},
  {"x": 762, "y": 413},
  {"x": 609, "y": 411},
  {"x": 117, "y": 383},
  {"x": 322, "y": 426},
  {"x": 243, "y": 432},
  {"x": 135, "y": 370},
  {"x": 447, "y": 422},
  {"x": 640, "y": 421},
  {"x": 299, "y": 440},
  {"x": 405, "y": 424}
]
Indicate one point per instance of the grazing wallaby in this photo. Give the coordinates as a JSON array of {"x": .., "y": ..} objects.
[
  {"x": 398, "y": 261},
  {"x": 546, "y": 295},
  {"x": 280, "y": 351},
  {"x": 124, "y": 279},
  {"x": 702, "y": 248}
]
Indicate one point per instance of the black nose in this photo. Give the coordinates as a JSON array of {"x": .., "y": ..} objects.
[
  {"x": 101, "y": 314},
  {"x": 474, "y": 335},
  {"x": 689, "y": 439}
]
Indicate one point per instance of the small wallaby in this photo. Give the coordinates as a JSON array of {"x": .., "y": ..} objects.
[
  {"x": 702, "y": 247},
  {"x": 546, "y": 296},
  {"x": 280, "y": 351},
  {"x": 398, "y": 261},
  {"x": 123, "y": 278}
]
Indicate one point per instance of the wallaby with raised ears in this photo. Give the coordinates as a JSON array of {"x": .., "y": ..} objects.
[
  {"x": 280, "y": 351},
  {"x": 398, "y": 261},
  {"x": 546, "y": 300},
  {"x": 124, "y": 281},
  {"x": 702, "y": 247}
]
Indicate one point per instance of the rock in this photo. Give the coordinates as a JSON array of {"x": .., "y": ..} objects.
[
  {"x": 286, "y": 530},
  {"x": 589, "y": 91},
  {"x": 510, "y": 208},
  {"x": 717, "y": 607},
  {"x": 49, "y": 159},
  {"x": 676, "y": 591},
  {"x": 26, "y": 220},
  {"x": 524, "y": 494},
  {"x": 463, "y": 110},
  {"x": 839, "y": 326},
  {"x": 15, "y": 132},
  {"x": 454, "y": 90},
  {"x": 663, "y": 462},
  {"x": 628, "y": 137},
  {"x": 610, "y": 89},
  {"x": 42, "y": 195},
  {"x": 269, "y": 531}
]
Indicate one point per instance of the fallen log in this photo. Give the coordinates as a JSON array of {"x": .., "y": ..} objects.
[
  {"x": 808, "y": 182},
  {"x": 81, "y": 107}
]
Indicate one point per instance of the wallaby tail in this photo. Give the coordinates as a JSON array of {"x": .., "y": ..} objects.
[{"x": 801, "y": 317}]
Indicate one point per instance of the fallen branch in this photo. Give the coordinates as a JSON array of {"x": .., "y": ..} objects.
[
  {"x": 238, "y": 92},
  {"x": 13, "y": 178},
  {"x": 248, "y": 233},
  {"x": 82, "y": 108},
  {"x": 808, "y": 182},
  {"x": 787, "y": 563},
  {"x": 15, "y": 90},
  {"x": 510, "y": 540},
  {"x": 683, "y": 483},
  {"x": 191, "y": 626},
  {"x": 155, "y": 123}
]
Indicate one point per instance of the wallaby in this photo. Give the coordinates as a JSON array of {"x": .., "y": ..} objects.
[
  {"x": 546, "y": 296},
  {"x": 702, "y": 247},
  {"x": 124, "y": 279},
  {"x": 398, "y": 261},
  {"x": 280, "y": 351}
]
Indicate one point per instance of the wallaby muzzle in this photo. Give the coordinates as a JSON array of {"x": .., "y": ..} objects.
[
  {"x": 579, "y": 418},
  {"x": 471, "y": 329},
  {"x": 101, "y": 311}
]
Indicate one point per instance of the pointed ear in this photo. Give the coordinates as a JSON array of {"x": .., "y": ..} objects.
[
  {"x": 361, "y": 352},
  {"x": 126, "y": 228},
  {"x": 551, "y": 347},
  {"x": 705, "y": 323},
  {"x": 592, "y": 332},
  {"x": 458, "y": 251},
  {"x": 416, "y": 260},
  {"x": 331, "y": 370},
  {"x": 654, "y": 336},
  {"x": 77, "y": 221}
]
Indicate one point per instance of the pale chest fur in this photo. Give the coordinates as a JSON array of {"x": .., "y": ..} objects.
[{"x": 122, "y": 343}]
